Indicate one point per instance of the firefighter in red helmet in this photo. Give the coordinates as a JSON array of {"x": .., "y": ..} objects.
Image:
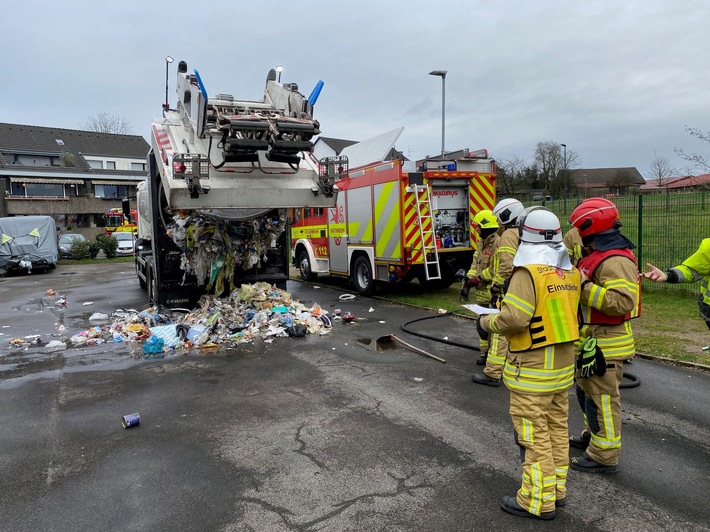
[{"x": 608, "y": 301}]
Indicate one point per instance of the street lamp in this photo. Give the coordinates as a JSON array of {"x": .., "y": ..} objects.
[
  {"x": 168, "y": 60},
  {"x": 564, "y": 174},
  {"x": 442, "y": 75},
  {"x": 279, "y": 69}
]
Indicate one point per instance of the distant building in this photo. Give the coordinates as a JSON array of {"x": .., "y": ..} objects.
[
  {"x": 591, "y": 182},
  {"x": 74, "y": 176},
  {"x": 677, "y": 184}
]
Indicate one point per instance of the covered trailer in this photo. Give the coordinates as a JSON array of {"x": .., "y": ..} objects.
[{"x": 28, "y": 243}]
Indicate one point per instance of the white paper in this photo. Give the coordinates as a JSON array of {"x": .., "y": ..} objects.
[{"x": 478, "y": 309}]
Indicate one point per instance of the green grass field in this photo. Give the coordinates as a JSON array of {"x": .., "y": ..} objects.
[{"x": 666, "y": 228}]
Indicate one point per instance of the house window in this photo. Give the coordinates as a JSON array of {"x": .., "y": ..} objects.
[
  {"x": 37, "y": 190},
  {"x": 111, "y": 191},
  {"x": 138, "y": 167},
  {"x": 110, "y": 165},
  {"x": 96, "y": 165}
]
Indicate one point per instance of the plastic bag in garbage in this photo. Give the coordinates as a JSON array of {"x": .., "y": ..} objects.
[
  {"x": 153, "y": 346},
  {"x": 168, "y": 333}
]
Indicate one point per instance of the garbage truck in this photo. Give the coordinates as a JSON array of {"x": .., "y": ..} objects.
[{"x": 222, "y": 172}]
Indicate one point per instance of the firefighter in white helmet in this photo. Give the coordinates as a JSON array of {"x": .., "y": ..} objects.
[
  {"x": 538, "y": 315},
  {"x": 609, "y": 299},
  {"x": 507, "y": 212},
  {"x": 480, "y": 275}
]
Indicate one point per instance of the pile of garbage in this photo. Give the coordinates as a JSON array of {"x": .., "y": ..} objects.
[
  {"x": 215, "y": 249},
  {"x": 254, "y": 311}
]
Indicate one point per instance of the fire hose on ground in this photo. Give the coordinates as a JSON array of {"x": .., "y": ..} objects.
[{"x": 629, "y": 380}]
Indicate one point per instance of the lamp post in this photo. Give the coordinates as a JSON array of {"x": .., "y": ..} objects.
[
  {"x": 442, "y": 75},
  {"x": 564, "y": 175},
  {"x": 279, "y": 69},
  {"x": 168, "y": 60}
]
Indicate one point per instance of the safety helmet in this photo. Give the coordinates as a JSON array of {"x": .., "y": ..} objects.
[
  {"x": 485, "y": 219},
  {"x": 538, "y": 225},
  {"x": 595, "y": 215},
  {"x": 508, "y": 210}
]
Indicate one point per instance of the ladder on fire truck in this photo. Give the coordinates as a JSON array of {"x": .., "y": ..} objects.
[{"x": 424, "y": 212}]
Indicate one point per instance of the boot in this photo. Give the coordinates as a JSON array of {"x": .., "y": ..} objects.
[
  {"x": 482, "y": 360},
  {"x": 587, "y": 465},
  {"x": 511, "y": 506},
  {"x": 485, "y": 379},
  {"x": 580, "y": 442}
]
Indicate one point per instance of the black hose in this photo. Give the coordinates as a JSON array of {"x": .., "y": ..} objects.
[
  {"x": 633, "y": 381},
  {"x": 436, "y": 338},
  {"x": 629, "y": 380}
]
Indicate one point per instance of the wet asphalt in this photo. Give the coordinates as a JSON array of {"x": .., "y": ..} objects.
[{"x": 316, "y": 433}]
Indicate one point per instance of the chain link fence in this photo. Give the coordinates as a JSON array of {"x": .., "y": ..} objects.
[{"x": 666, "y": 228}]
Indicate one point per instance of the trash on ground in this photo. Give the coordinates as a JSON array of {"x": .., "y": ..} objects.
[{"x": 131, "y": 420}]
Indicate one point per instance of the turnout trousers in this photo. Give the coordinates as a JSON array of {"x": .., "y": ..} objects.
[
  {"x": 541, "y": 430},
  {"x": 601, "y": 406}
]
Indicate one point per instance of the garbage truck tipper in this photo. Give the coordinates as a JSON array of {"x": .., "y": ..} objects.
[{"x": 222, "y": 172}]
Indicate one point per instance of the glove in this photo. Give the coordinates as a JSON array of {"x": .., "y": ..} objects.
[
  {"x": 591, "y": 359},
  {"x": 482, "y": 333},
  {"x": 496, "y": 289},
  {"x": 470, "y": 282}
]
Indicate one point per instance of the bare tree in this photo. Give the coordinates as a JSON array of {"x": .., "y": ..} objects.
[
  {"x": 660, "y": 171},
  {"x": 512, "y": 176},
  {"x": 698, "y": 160},
  {"x": 106, "y": 123},
  {"x": 550, "y": 159}
]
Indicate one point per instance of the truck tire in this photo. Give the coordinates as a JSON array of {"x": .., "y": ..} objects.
[
  {"x": 304, "y": 266},
  {"x": 151, "y": 285},
  {"x": 362, "y": 276},
  {"x": 141, "y": 281}
]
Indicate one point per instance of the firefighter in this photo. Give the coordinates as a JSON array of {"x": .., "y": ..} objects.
[
  {"x": 480, "y": 276},
  {"x": 574, "y": 244},
  {"x": 507, "y": 212},
  {"x": 694, "y": 268},
  {"x": 538, "y": 316},
  {"x": 608, "y": 300}
]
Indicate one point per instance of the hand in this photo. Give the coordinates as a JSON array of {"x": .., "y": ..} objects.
[
  {"x": 482, "y": 333},
  {"x": 655, "y": 274},
  {"x": 583, "y": 276}
]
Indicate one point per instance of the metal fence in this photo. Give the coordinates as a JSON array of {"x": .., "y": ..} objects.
[{"x": 666, "y": 228}]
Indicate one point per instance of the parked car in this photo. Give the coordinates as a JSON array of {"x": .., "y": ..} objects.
[
  {"x": 126, "y": 242},
  {"x": 65, "y": 242}
]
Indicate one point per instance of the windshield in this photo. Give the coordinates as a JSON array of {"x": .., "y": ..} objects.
[
  {"x": 65, "y": 239},
  {"x": 123, "y": 236}
]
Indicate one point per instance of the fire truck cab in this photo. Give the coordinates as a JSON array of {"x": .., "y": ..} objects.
[{"x": 394, "y": 225}]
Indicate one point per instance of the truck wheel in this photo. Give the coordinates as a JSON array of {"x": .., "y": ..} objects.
[
  {"x": 151, "y": 285},
  {"x": 304, "y": 266},
  {"x": 141, "y": 281},
  {"x": 362, "y": 276}
]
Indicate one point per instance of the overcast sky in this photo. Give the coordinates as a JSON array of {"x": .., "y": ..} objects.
[{"x": 617, "y": 81}]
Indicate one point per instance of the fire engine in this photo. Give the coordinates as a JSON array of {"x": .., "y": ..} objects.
[
  {"x": 393, "y": 225},
  {"x": 116, "y": 220}
]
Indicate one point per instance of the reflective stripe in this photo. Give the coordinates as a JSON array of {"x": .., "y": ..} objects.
[
  {"x": 526, "y": 428},
  {"x": 538, "y": 380},
  {"x": 520, "y": 304},
  {"x": 561, "y": 476}
]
